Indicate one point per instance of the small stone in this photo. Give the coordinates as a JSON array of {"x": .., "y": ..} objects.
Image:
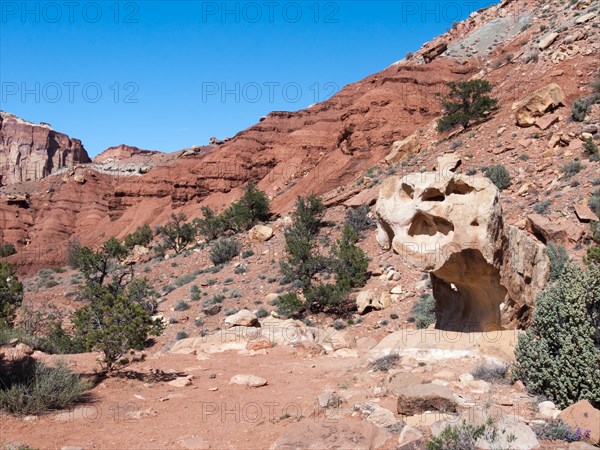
[
  {"x": 248, "y": 380},
  {"x": 181, "y": 382},
  {"x": 466, "y": 378},
  {"x": 213, "y": 389},
  {"x": 24, "y": 348},
  {"x": 409, "y": 435},
  {"x": 548, "y": 409}
]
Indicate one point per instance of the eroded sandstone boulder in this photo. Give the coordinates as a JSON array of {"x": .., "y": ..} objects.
[
  {"x": 401, "y": 149},
  {"x": 451, "y": 226},
  {"x": 537, "y": 104}
]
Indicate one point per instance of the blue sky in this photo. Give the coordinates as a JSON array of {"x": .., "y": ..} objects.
[{"x": 169, "y": 75}]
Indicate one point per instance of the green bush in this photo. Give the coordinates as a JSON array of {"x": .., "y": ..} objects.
[
  {"x": 243, "y": 214},
  {"x": 466, "y": 103},
  {"x": 457, "y": 437},
  {"x": 541, "y": 207},
  {"x": 594, "y": 202},
  {"x": 558, "y": 259},
  {"x": 424, "y": 311},
  {"x": 113, "y": 324},
  {"x": 580, "y": 109},
  {"x": 572, "y": 168},
  {"x": 141, "y": 236},
  {"x": 224, "y": 250},
  {"x": 590, "y": 148},
  {"x": 181, "y": 305},
  {"x": 358, "y": 219},
  {"x": 559, "y": 431},
  {"x": 498, "y": 175},
  {"x": 11, "y": 293},
  {"x": 559, "y": 355},
  {"x": 28, "y": 387},
  {"x": 195, "y": 293},
  {"x": 351, "y": 262},
  {"x": 385, "y": 363},
  {"x": 7, "y": 249},
  {"x": 184, "y": 279},
  {"x": 177, "y": 233},
  {"x": 181, "y": 335},
  {"x": 490, "y": 372}
]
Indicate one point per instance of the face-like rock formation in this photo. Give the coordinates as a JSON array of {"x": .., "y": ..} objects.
[
  {"x": 31, "y": 152},
  {"x": 451, "y": 226}
]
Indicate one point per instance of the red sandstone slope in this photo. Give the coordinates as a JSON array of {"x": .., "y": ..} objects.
[{"x": 123, "y": 152}]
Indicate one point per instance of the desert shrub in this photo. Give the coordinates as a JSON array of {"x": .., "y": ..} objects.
[
  {"x": 11, "y": 293},
  {"x": 558, "y": 259},
  {"x": 211, "y": 281},
  {"x": 338, "y": 325},
  {"x": 358, "y": 219},
  {"x": 594, "y": 202},
  {"x": 490, "y": 371},
  {"x": 184, "y": 279},
  {"x": 524, "y": 157},
  {"x": 572, "y": 168},
  {"x": 211, "y": 225},
  {"x": 181, "y": 305},
  {"x": 499, "y": 175},
  {"x": 195, "y": 293},
  {"x": 541, "y": 207},
  {"x": 224, "y": 250},
  {"x": 28, "y": 387},
  {"x": 590, "y": 148},
  {"x": 466, "y": 103},
  {"x": 350, "y": 262},
  {"x": 235, "y": 294},
  {"x": 113, "y": 324},
  {"x": 261, "y": 313},
  {"x": 558, "y": 430},
  {"x": 593, "y": 255},
  {"x": 7, "y": 249},
  {"x": 141, "y": 236},
  {"x": 471, "y": 172},
  {"x": 457, "y": 437},
  {"x": 580, "y": 109},
  {"x": 181, "y": 335},
  {"x": 559, "y": 355},
  {"x": 247, "y": 253},
  {"x": 231, "y": 311},
  {"x": 424, "y": 311},
  {"x": 251, "y": 208},
  {"x": 385, "y": 363},
  {"x": 241, "y": 269},
  {"x": 177, "y": 233}
]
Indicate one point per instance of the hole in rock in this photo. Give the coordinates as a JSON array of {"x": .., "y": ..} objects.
[
  {"x": 475, "y": 223},
  {"x": 433, "y": 195},
  {"x": 408, "y": 189},
  {"x": 458, "y": 187},
  {"x": 427, "y": 224}
]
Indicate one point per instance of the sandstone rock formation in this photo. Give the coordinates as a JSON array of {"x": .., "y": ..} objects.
[
  {"x": 537, "y": 104},
  {"x": 451, "y": 226},
  {"x": 401, "y": 149},
  {"x": 30, "y": 152}
]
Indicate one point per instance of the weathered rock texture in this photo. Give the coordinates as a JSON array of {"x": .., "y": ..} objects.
[
  {"x": 30, "y": 152},
  {"x": 451, "y": 226}
]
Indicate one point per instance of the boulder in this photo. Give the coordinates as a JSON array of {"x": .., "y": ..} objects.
[
  {"x": 242, "y": 318},
  {"x": 548, "y": 410},
  {"x": 583, "y": 415},
  {"x": 181, "y": 382},
  {"x": 260, "y": 233},
  {"x": 368, "y": 300},
  {"x": 585, "y": 18},
  {"x": 547, "y": 41},
  {"x": 419, "y": 398},
  {"x": 451, "y": 226},
  {"x": 448, "y": 162},
  {"x": 585, "y": 214},
  {"x": 410, "y": 436},
  {"x": 248, "y": 380},
  {"x": 24, "y": 349},
  {"x": 212, "y": 310},
  {"x": 433, "y": 50},
  {"x": 366, "y": 197},
  {"x": 401, "y": 149},
  {"x": 341, "y": 434},
  {"x": 537, "y": 104},
  {"x": 557, "y": 230}
]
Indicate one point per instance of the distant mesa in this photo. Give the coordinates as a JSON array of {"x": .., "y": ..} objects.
[{"x": 122, "y": 152}]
